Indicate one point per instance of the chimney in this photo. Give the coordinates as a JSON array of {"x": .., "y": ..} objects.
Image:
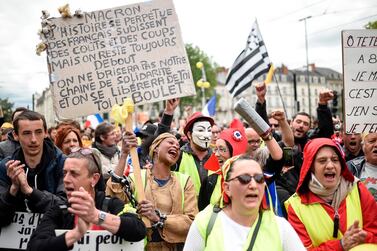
[
  {"x": 312, "y": 67},
  {"x": 284, "y": 69}
]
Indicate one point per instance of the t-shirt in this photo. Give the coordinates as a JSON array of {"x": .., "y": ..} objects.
[{"x": 368, "y": 176}]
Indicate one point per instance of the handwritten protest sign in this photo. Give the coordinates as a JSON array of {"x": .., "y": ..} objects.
[
  {"x": 104, "y": 241},
  {"x": 135, "y": 51},
  {"x": 17, "y": 234},
  {"x": 360, "y": 80}
]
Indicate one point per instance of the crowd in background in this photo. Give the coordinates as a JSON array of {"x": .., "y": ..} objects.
[{"x": 206, "y": 185}]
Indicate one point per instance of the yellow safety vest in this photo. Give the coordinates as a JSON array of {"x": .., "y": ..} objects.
[
  {"x": 318, "y": 222},
  {"x": 268, "y": 237}
]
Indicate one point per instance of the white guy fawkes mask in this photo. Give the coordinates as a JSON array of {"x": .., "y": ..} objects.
[{"x": 201, "y": 134}]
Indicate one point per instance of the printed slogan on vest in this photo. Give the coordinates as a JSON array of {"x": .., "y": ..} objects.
[{"x": 102, "y": 57}]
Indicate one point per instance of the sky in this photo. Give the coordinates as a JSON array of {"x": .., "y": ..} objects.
[{"x": 218, "y": 27}]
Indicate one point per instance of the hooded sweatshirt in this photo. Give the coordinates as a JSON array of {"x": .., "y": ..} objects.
[{"x": 368, "y": 205}]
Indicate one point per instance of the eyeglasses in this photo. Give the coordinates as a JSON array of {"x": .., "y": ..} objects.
[
  {"x": 254, "y": 141},
  {"x": 245, "y": 179},
  {"x": 274, "y": 125},
  {"x": 87, "y": 152},
  {"x": 220, "y": 150}
]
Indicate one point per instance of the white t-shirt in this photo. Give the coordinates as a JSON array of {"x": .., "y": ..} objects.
[
  {"x": 369, "y": 177},
  {"x": 236, "y": 235}
]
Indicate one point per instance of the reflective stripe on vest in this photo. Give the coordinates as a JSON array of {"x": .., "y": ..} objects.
[
  {"x": 182, "y": 179},
  {"x": 269, "y": 230},
  {"x": 189, "y": 168},
  {"x": 318, "y": 223}
]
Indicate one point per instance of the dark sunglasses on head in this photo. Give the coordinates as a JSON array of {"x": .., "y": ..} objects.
[
  {"x": 245, "y": 179},
  {"x": 86, "y": 152}
]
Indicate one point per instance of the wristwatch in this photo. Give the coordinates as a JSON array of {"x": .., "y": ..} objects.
[
  {"x": 268, "y": 137},
  {"x": 101, "y": 217}
]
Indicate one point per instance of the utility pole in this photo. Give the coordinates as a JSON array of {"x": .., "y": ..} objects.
[{"x": 307, "y": 62}]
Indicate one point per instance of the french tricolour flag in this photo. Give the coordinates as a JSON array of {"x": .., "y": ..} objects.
[
  {"x": 210, "y": 108},
  {"x": 93, "y": 120}
]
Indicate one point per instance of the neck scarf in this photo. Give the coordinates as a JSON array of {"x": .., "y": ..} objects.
[
  {"x": 108, "y": 151},
  {"x": 333, "y": 196}
]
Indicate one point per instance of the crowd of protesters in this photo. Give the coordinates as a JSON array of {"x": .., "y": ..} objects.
[{"x": 207, "y": 186}]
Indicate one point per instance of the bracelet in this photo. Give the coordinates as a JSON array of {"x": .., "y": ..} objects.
[
  {"x": 161, "y": 221},
  {"x": 268, "y": 137}
]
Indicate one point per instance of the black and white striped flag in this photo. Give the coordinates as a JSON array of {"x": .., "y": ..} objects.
[{"x": 250, "y": 64}]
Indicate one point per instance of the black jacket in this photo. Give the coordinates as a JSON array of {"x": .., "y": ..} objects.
[
  {"x": 46, "y": 180},
  {"x": 43, "y": 238}
]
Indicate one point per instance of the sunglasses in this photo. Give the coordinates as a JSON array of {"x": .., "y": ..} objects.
[
  {"x": 87, "y": 152},
  {"x": 245, "y": 179}
]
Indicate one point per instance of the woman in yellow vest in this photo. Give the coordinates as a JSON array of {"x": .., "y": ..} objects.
[
  {"x": 331, "y": 210},
  {"x": 241, "y": 221},
  {"x": 170, "y": 203}
]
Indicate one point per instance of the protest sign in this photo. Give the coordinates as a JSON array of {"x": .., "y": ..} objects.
[
  {"x": 17, "y": 234},
  {"x": 360, "y": 80},
  {"x": 104, "y": 241},
  {"x": 99, "y": 59}
]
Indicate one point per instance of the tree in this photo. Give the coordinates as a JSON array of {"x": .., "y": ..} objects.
[
  {"x": 195, "y": 55},
  {"x": 7, "y": 109},
  {"x": 371, "y": 25}
]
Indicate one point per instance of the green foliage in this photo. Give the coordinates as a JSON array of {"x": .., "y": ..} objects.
[
  {"x": 371, "y": 25},
  {"x": 196, "y": 55},
  {"x": 7, "y": 106}
]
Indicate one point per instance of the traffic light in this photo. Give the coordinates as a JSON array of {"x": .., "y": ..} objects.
[{"x": 335, "y": 103}]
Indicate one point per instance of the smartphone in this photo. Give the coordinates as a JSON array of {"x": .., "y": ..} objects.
[{"x": 288, "y": 156}]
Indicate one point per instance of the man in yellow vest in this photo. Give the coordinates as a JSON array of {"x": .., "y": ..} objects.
[
  {"x": 195, "y": 153},
  {"x": 331, "y": 210}
]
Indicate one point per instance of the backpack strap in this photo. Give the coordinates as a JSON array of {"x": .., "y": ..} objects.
[{"x": 211, "y": 222}]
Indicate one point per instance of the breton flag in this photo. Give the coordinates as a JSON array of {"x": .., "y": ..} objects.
[
  {"x": 210, "y": 108},
  {"x": 250, "y": 64}
]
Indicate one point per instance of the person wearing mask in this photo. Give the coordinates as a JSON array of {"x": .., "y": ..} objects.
[
  {"x": 170, "y": 204},
  {"x": 331, "y": 209},
  {"x": 242, "y": 220},
  {"x": 88, "y": 208},
  {"x": 31, "y": 179},
  {"x": 196, "y": 152}
]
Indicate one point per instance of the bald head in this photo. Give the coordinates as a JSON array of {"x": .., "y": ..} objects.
[{"x": 253, "y": 140}]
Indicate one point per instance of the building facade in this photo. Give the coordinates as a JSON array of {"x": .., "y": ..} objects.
[{"x": 281, "y": 92}]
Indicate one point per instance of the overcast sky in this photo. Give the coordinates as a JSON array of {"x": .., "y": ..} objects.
[{"x": 218, "y": 27}]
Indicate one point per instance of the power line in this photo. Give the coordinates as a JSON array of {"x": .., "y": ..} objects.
[
  {"x": 339, "y": 25},
  {"x": 294, "y": 11}
]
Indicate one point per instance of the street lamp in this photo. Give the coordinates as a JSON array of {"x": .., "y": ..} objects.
[
  {"x": 202, "y": 83},
  {"x": 307, "y": 62}
]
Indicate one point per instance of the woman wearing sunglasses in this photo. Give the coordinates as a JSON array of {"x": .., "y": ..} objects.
[
  {"x": 242, "y": 220},
  {"x": 170, "y": 203},
  {"x": 330, "y": 198}
]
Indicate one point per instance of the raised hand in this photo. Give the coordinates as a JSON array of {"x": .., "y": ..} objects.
[
  {"x": 171, "y": 105},
  {"x": 83, "y": 205}
]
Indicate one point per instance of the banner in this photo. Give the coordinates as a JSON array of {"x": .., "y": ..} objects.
[
  {"x": 17, "y": 234},
  {"x": 360, "y": 80},
  {"x": 103, "y": 241},
  {"x": 98, "y": 59}
]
